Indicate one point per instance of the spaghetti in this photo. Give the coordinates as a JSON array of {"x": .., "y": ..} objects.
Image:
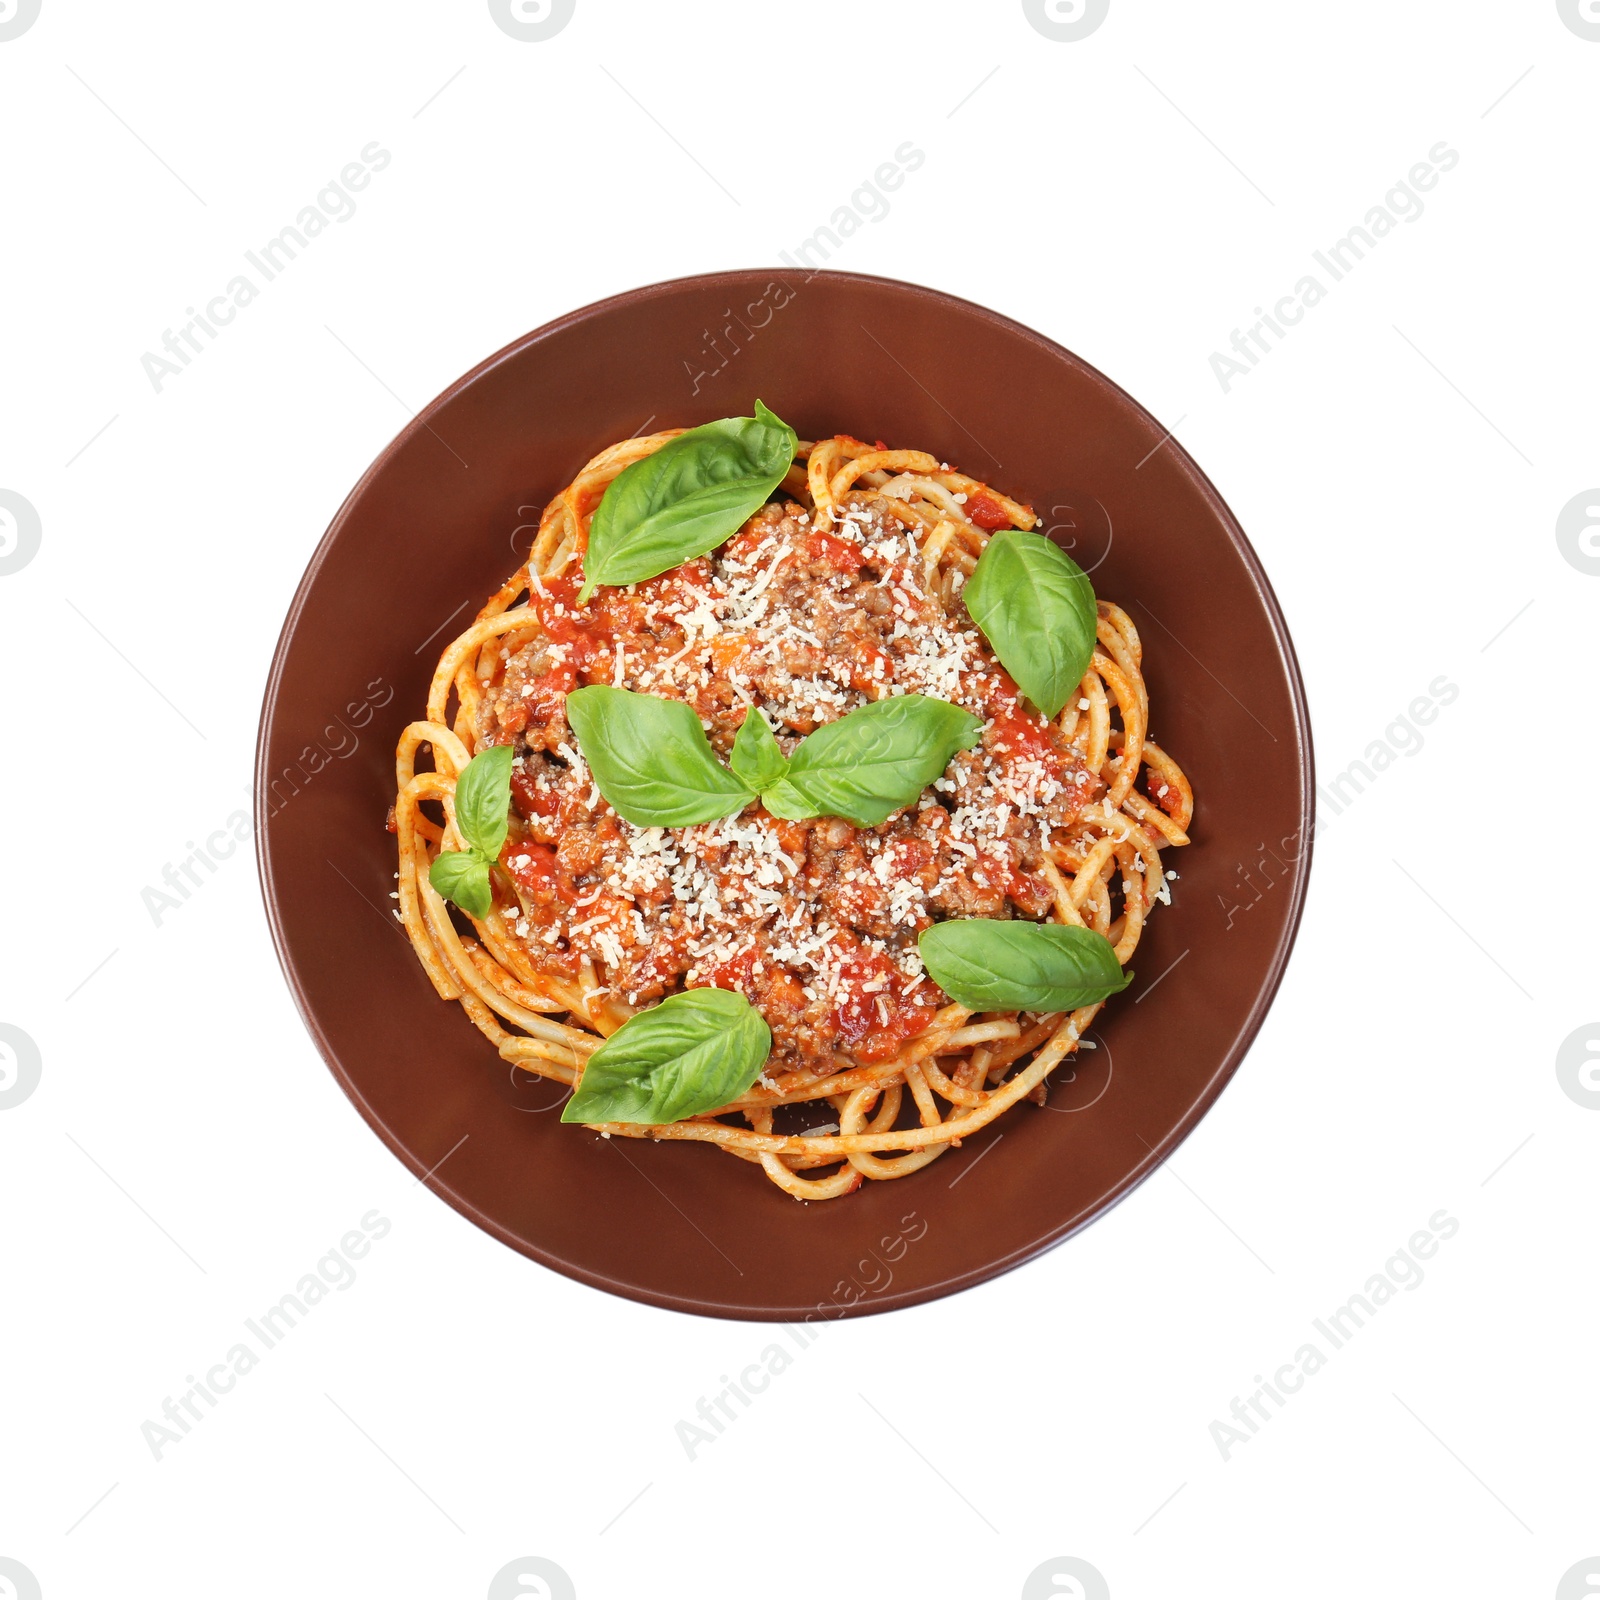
[{"x": 843, "y": 589}]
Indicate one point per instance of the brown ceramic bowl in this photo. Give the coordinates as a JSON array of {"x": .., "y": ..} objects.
[{"x": 448, "y": 510}]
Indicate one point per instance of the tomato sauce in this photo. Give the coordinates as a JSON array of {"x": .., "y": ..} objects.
[
  {"x": 872, "y": 1017},
  {"x": 815, "y": 920},
  {"x": 988, "y": 514}
]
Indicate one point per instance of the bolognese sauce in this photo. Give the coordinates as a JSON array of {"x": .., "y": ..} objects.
[{"x": 815, "y": 921}]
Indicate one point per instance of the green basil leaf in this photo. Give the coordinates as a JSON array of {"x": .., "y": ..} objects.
[
  {"x": 873, "y": 760},
  {"x": 483, "y": 799},
  {"x": 784, "y": 800},
  {"x": 757, "y": 760},
  {"x": 1021, "y": 966},
  {"x": 463, "y": 876},
  {"x": 1036, "y": 608},
  {"x": 684, "y": 500},
  {"x": 652, "y": 759},
  {"x": 692, "y": 1053}
]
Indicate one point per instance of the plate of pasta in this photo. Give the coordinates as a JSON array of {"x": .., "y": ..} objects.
[{"x": 835, "y": 821}]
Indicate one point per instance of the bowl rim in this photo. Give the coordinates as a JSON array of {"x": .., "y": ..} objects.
[{"x": 1244, "y": 1037}]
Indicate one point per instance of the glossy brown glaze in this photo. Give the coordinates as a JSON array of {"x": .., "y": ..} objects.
[{"x": 423, "y": 540}]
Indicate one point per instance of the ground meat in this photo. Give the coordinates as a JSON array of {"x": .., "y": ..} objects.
[{"x": 814, "y": 921}]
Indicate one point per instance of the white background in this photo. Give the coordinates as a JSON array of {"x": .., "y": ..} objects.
[{"x": 1400, "y": 462}]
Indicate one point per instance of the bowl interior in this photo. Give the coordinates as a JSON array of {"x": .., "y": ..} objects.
[{"x": 448, "y": 511}]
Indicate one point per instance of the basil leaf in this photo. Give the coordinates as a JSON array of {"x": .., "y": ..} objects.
[
  {"x": 1036, "y": 608},
  {"x": 653, "y": 762},
  {"x": 873, "y": 760},
  {"x": 483, "y": 799},
  {"x": 692, "y": 1053},
  {"x": 651, "y": 758},
  {"x": 757, "y": 760},
  {"x": 784, "y": 800},
  {"x": 684, "y": 500},
  {"x": 463, "y": 876},
  {"x": 1021, "y": 966}
]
